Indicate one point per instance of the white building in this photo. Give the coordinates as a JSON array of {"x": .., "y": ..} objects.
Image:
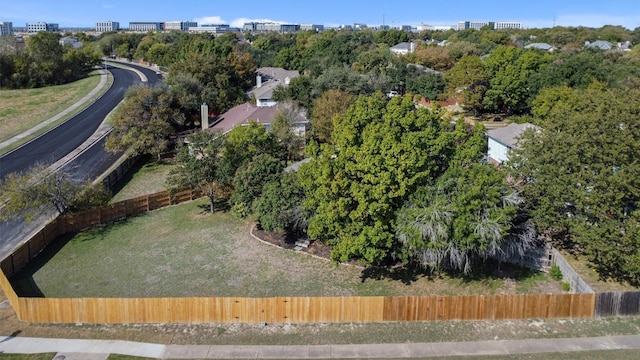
[
  {"x": 6, "y": 28},
  {"x": 502, "y": 140},
  {"x": 67, "y": 40},
  {"x": 41, "y": 26},
  {"x": 104, "y": 26},
  {"x": 312, "y": 27},
  {"x": 403, "y": 48},
  {"x": 267, "y": 80},
  {"x": 215, "y": 29},
  {"x": 180, "y": 25},
  {"x": 144, "y": 26},
  {"x": 497, "y": 25}
]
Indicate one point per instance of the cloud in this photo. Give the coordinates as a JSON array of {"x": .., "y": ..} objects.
[
  {"x": 238, "y": 23},
  {"x": 217, "y": 20}
]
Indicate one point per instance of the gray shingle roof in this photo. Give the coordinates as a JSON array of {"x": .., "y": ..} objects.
[
  {"x": 541, "y": 46},
  {"x": 509, "y": 134}
]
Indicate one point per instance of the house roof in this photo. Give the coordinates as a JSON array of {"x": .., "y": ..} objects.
[
  {"x": 541, "y": 46},
  {"x": 403, "y": 46},
  {"x": 242, "y": 114},
  {"x": 271, "y": 77},
  {"x": 600, "y": 44},
  {"x": 509, "y": 134},
  {"x": 296, "y": 165}
]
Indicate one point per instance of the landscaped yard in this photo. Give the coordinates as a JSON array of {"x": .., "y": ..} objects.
[
  {"x": 21, "y": 110},
  {"x": 185, "y": 251}
]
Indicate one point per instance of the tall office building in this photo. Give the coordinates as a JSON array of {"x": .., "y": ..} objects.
[
  {"x": 6, "y": 28},
  {"x": 104, "y": 26},
  {"x": 41, "y": 26}
]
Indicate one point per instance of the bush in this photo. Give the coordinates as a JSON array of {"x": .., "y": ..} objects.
[
  {"x": 556, "y": 273},
  {"x": 566, "y": 286},
  {"x": 240, "y": 210}
]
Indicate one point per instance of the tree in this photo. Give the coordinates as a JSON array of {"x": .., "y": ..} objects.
[
  {"x": 510, "y": 70},
  {"x": 198, "y": 166},
  {"x": 383, "y": 150},
  {"x": 428, "y": 85},
  {"x": 466, "y": 215},
  {"x": 45, "y": 55},
  {"x": 330, "y": 104},
  {"x": 143, "y": 124},
  {"x": 580, "y": 177},
  {"x": 279, "y": 207},
  {"x": 27, "y": 193},
  {"x": 470, "y": 77},
  {"x": 242, "y": 144},
  {"x": 251, "y": 177},
  {"x": 284, "y": 126}
]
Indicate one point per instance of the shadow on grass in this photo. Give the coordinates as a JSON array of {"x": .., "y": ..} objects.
[
  {"x": 412, "y": 272},
  {"x": 23, "y": 282},
  {"x": 218, "y": 205}
]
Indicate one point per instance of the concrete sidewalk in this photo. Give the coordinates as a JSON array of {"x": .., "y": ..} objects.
[{"x": 100, "y": 349}]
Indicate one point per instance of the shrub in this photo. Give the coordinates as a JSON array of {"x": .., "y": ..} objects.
[
  {"x": 566, "y": 286},
  {"x": 556, "y": 273},
  {"x": 240, "y": 210}
]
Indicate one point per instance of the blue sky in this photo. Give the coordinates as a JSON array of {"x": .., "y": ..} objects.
[{"x": 531, "y": 13}]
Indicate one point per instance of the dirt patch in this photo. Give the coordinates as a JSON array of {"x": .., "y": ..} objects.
[{"x": 287, "y": 241}]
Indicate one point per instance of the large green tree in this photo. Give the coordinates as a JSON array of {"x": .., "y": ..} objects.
[
  {"x": 383, "y": 151},
  {"x": 330, "y": 104},
  {"x": 143, "y": 124},
  {"x": 581, "y": 176},
  {"x": 252, "y": 176},
  {"x": 242, "y": 144},
  {"x": 198, "y": 166},
  {"x": 469, "y": 77},
  {"x": 279, "y": 207},
  {"x": 510, "y": 70}
]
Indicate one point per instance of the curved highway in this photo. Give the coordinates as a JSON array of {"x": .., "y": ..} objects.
[{"x": 63, "y": 139}]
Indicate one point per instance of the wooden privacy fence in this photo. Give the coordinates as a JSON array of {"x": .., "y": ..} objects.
[
  {"x": 82, "y": 220},
  {"x": 303, "y": 309}
]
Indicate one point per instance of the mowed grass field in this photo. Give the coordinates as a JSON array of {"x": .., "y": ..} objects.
[
  {"x": 183, "y": 250},
  {"x": 148, "y": 179},
  {"x": 20, "y": 110}
]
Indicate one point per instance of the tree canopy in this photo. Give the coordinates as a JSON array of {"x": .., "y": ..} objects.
[
  {"x": 143, "y": 124},
  {"x": 382, "y": 152},
  {"x": 580, "y": 174}
]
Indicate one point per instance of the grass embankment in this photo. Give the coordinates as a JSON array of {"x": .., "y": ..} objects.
[{"x": 21, "y": 110}]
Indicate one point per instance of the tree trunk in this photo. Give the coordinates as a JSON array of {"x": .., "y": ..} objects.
[{"x": 211, "y": 203}]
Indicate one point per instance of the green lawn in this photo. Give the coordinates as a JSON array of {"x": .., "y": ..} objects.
[
  {"x": 21, "y": 110},
  {"x": 185, "y": 251},
  {"x": 148, "y": 179}
]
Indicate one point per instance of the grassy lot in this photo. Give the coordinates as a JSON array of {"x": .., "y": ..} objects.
[
  {"x": 185, "y": 251},
  {"x": 149, "y": 178},
  {"x": 20, "y": 110}
]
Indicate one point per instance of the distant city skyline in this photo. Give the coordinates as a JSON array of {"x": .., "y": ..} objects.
[{"x": 532, "y": 14}]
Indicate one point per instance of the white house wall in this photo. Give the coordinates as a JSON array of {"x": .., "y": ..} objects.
[{"x": 498, "y": 152}]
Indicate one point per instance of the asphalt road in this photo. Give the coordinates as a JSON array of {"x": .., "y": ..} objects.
[{"x": 58, "y": 142}]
